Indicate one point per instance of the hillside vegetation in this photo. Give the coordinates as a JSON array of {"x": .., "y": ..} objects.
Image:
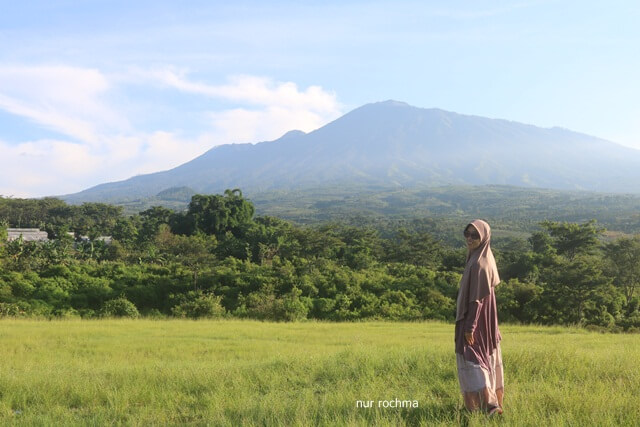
[
  {"x": 217, "y": 259},
  {"x": 512, "y": 209}
]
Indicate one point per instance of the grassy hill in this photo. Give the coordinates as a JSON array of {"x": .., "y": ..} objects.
[{"x": 230, "y": 373}]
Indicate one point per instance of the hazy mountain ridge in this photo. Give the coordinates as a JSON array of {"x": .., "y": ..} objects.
[{"x": 392, "y": 144}]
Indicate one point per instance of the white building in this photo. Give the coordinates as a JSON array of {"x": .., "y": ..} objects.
[{"x": 28, "y": 234}]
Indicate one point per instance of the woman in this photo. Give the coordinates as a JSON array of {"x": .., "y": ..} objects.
[{"x": 477, "y": 336}]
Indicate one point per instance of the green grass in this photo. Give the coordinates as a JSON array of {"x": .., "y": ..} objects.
[{"x": 232, "y": 372}]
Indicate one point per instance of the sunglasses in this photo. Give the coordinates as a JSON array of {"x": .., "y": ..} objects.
[{"x": 473, "y": 235}]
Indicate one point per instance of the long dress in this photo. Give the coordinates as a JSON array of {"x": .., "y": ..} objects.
[{"x": 479, "y": 365}]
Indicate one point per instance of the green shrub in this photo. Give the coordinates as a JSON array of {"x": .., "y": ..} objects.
[
  {"x": 66, "y": 313},
  {"x": 87, "y": 313},
  {"x": 154, "y": 313},
  {"x": 18, "y": 309},
  {"x": 120, "y": 307},
  {"x": 264, "y": 305},
  {"x": 200, "y": 305}
]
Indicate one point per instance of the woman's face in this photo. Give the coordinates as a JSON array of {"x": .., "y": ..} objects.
[{"x": 472, "y": 237}]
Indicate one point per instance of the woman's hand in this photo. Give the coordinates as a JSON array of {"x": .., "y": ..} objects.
[{"x": 468, "y": 336}]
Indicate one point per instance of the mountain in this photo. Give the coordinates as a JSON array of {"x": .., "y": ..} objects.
[{"x": 393, "y": 144}]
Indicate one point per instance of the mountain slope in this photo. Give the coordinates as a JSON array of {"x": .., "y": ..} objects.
[{"x": 394, "y": 144}]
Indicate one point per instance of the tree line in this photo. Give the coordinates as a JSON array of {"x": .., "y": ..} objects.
[{"x": 217, "y": 258}]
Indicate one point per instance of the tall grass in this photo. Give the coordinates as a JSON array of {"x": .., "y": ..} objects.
[{"x": 234, "y": 372}]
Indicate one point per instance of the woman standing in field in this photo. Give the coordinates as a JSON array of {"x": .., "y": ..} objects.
[{"x": 477, "y": 336}]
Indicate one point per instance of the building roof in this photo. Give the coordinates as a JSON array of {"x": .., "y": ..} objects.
[{"x": 28, "y": 234}]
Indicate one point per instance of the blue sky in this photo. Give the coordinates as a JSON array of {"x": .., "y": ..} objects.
[{"x": 98, "y": 91}]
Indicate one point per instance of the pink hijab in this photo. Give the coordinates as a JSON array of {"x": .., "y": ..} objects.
[{"x": 480, "y": 274}]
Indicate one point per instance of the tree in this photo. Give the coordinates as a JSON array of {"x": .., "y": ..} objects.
[
  {"x": 28, "y": 213},
  {"x": 269, "y": 237},
  {"x": 359, "y": 247},
  {"x": 95, "y": 219},
  {"x": 241, "y": 210},
  {"x": 624, "y": 259},
  {"x": 125, "y": 231},
  {"x": 570, "y": 286},
  {"x": 215, "y": 214},
  {"x": 23, "y": 256},
  {"x": 414, "y": 248},
  {"x": 570, "y": 239},
  {"x": 3, "y": 236},
  {"x": 152, "y": 219},
  {"x": 193, "y": 252},
  {"x": 59, "y": 251},
  {"x": 516, "y": 300},
  {"x": 542, "y": 243}
]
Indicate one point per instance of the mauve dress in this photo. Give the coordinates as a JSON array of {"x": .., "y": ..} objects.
[{"x": 480, "y": 364}]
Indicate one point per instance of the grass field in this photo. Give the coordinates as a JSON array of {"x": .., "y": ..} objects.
[{"x": 231, "y": 372}]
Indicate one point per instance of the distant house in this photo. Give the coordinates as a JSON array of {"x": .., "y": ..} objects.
[
  {"x": 28, "y": 234},
  {"x": 37, "y": 235},
  {"x": 105, "y": 239}
]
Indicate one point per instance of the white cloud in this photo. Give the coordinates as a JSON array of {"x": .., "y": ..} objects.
[
  {"x": 64, "y": 99},
  {"x": 276, "y": 107},
  {"x": 44, "y": 167},
  {"x": 164, "y": 150},
  {"x": 101, "y": 144},
  {"x": 255, "y": 90},
  {"x": 50, "y": 167},
  {"x": 243, "y": 125}
]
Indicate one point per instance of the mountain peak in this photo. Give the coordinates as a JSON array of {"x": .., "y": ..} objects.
[
  {"x": 390, "y": 103},
  {"x": 394, "y": 143},
  {"x": 393, "y": 103},
  {"x": 292, "y": 134}
]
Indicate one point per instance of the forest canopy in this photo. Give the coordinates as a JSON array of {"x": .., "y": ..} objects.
[{"x": 217, "y": 258}]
